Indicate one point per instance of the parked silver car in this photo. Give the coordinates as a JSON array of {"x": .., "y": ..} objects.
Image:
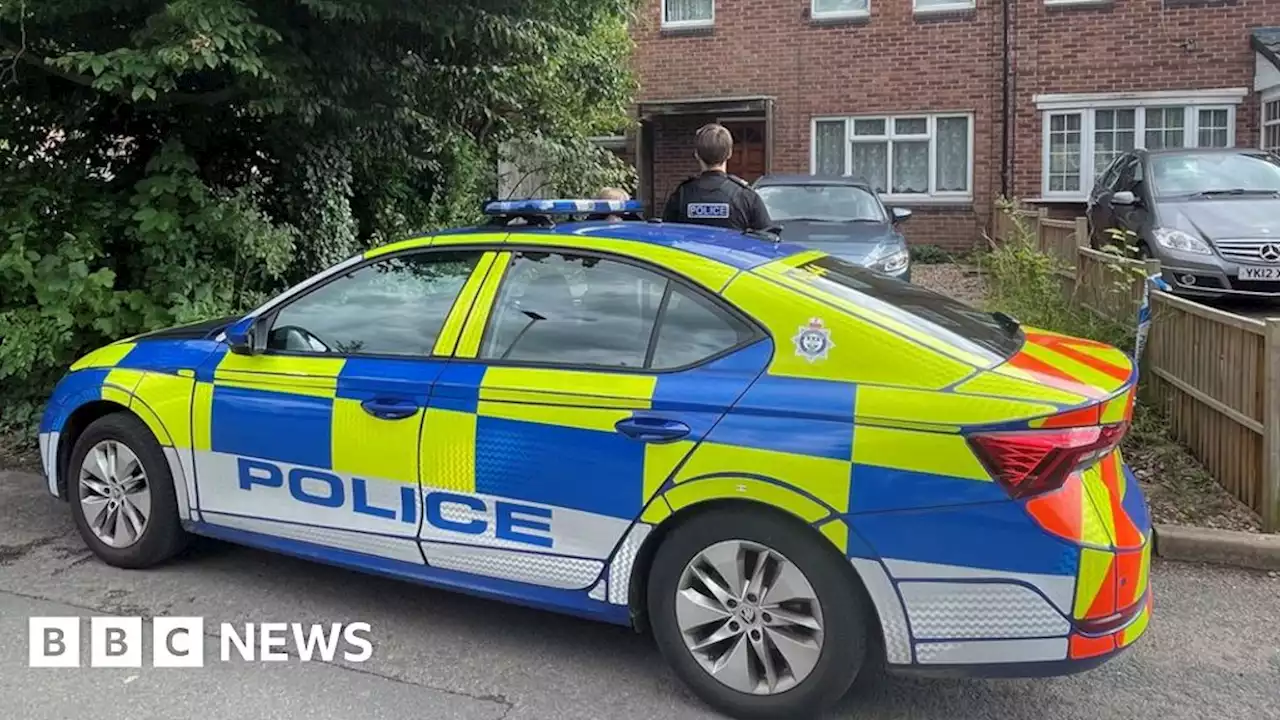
[{"x": 1210, "y": 216}]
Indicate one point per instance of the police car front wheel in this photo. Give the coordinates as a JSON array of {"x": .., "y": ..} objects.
[
  {"x": 758, "y": 614},
  {"x": 122, "y": 498}
]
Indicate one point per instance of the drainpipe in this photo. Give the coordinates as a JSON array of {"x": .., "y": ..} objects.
[{"x": 1006, "y": 109}]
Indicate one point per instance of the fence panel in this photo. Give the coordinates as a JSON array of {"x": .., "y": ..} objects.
[
  {"x": 1208, "y": 370},
  {"x": 1109, "y": 285},
  {"x": 1057, "y": 239}
]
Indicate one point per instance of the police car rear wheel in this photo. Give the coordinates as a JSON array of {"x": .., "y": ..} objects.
[
  {"x": 122, "y": 498},
  {"x": 758, "y": 614}
]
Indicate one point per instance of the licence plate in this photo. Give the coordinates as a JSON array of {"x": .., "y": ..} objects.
[{"x": 1260, "y": 273}]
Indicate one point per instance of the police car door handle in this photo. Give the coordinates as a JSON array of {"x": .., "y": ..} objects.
[
  {"x": 390, "y": 408},
  {"x": 652, "y": 429}
]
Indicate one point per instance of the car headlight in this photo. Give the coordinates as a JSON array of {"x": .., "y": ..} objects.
[
  {"x": 1181, "y": 241},
  {"x": 893, "y": 262}
]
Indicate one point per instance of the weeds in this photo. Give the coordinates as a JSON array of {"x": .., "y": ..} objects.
[
  {"x": 930, "y": 255},
  {"x": 1035, "y": 288}
]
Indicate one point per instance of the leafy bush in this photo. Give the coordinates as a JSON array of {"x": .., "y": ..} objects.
[
  {"x": 167, "y": 161},
  {"x": 1029, "y": 285},
  {"x": 930, "y": 255}
]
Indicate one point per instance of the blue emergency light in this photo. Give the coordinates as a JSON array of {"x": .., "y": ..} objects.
[{"x": 536, "y": 207}]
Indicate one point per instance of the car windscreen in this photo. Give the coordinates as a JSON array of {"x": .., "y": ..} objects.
[
  {"x": 829, "y": 203},
  {"x": 1215, "y": 173},
  {"x": 961, "y": 325}
]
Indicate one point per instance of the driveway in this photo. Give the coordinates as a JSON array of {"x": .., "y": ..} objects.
[{"x": 1213, "y": 650}]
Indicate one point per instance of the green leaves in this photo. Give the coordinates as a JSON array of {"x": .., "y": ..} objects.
[{"x": 171, "y": 160}]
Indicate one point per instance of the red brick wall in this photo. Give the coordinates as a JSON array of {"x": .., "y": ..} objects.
[
  {"x": 1131, "y": 45},
  {"x": 893, "y": 63}
]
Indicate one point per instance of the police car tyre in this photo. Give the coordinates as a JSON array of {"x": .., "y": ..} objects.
[
  {"x": 699, "y": 628},
  {"x": 127, "y": 486}
]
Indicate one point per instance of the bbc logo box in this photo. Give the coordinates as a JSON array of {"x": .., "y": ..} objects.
[
  {"x": 115, "y": 642},
  {"x": 178, "y": 642}
]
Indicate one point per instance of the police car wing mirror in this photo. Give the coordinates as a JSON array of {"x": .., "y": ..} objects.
[
  {"x": 246, "y": 337},
  {"x": 900, "y": 214}
]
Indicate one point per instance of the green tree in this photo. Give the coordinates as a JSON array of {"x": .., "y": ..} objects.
[{"x": 163, "y": 161}]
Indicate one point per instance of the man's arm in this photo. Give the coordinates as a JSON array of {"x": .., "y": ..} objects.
[
  {"x": 757, "y": 214},
  {"x": 671, "y": 212}
]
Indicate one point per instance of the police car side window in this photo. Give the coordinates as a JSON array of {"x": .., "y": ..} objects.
[
  {"x": 572, "y": 309},
  {"x": 396, "y": 306},
  {"x": 693, "y": 328}
]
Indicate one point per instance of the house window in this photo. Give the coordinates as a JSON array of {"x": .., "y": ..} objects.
[
  {"x": 1214, "y": 128},
  {"x": 905, "y": 157},
  {"x": 1064, "y": 152},
  {"x": 688, "y": 13},
  {"x": 1271, "y": 125},
  {"x": 1083, "y": 134},
  {"x": 839, "y": 8},
  {"x": 927, "y": 6},
  {"x": 1114, "y": 134}
]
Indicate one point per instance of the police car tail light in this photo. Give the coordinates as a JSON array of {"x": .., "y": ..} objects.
[{"x": 1034, "y": 462}]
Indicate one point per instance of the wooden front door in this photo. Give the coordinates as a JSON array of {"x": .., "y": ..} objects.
[{"x": 748, "y": 157}]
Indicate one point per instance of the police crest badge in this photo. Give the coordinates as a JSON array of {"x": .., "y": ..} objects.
[{"x": 813, "y": 342}]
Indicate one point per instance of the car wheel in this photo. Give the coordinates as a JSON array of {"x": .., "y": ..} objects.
[
  {"x": 122, "y": 498},
  {"x": 760, "y": 616}
]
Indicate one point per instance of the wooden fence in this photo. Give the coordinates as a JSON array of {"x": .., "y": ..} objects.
[{"x": 1215, "y": 374}]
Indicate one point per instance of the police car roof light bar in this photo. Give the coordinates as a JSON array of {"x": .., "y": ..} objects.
[
  {"x": 544, "y": 208},
  {"x": 539, "y": 212}
]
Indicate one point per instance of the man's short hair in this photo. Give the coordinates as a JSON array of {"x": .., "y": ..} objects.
[
  {"x": 713, "y": 143},
  {"x": 613, "y": 193}
]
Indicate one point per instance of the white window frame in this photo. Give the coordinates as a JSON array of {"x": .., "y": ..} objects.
[
  {"x": 817, "y": 14},
  {"x": 680, "y": 24},
  {"x": 933, "y": 196},
  {"x": 1085, "y": 105},
  {"x": 948, "y": 7},
  {"x": 1062, "y": 3},
  {"x": 1269, "y": 96}
]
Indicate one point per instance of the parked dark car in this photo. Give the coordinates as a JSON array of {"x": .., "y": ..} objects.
[
  {"x": 1211, "y": 217},
  {"x": 841, "y": 216}
]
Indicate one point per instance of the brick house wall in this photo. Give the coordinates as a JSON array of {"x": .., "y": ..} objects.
[
  {"x": 1129, "y": 46},
  {"x": 894, "y": 63},
  {"x": 898, "y": 61}
]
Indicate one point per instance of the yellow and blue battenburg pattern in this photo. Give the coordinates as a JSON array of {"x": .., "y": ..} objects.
[{"x": 517, "y": 482}]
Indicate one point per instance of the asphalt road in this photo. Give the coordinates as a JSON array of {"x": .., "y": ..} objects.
[{"x": 1213, "y": 650}]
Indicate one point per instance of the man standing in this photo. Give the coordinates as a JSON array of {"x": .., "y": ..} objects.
[{"x": 715, "y": 197}]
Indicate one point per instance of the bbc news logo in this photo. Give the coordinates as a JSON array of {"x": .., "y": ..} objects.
[{"x": 178, "y": 642}]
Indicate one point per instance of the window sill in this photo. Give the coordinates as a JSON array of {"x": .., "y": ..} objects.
[
  {"x": 1058, "y": 199},
  {"x": 687, "y": 29},
  {"x": 1078, "y": 4},
  {"x": 1179, "y": 4},
  {"x": 944, "y": 12},
  {"x": 958, "y": 201},
  {"x": 837, "y": 19}
]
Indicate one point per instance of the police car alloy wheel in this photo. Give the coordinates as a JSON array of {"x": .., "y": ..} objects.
[
  {"x": 121, "y": 494},
  {"x": 749, "y": 617},
  {"x": 757, "y": 613},
  {"x": 114, "y": 493}
]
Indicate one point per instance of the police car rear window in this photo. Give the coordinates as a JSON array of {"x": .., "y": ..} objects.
[{"x": 962, "y": 325}]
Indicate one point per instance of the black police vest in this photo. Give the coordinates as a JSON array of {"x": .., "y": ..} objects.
[{"x": 704, "y": 202}]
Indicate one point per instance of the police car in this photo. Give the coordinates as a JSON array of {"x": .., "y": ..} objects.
[{"x": 784, "y": 467}]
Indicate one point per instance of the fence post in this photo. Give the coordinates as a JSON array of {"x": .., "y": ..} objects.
[
  {"x": 1042, "y": 213},
  {"x": 1082, "y": 232},
  {"x": 1271, "y": 428}
]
